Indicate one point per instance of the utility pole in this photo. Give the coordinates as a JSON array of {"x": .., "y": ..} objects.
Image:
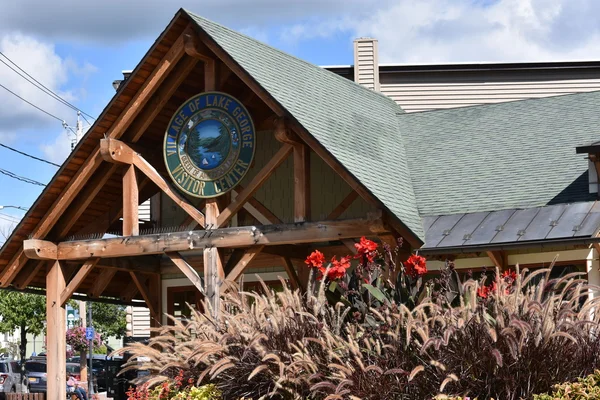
[{"x": 77, "y": 132}]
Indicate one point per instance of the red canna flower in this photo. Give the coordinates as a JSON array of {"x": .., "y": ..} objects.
[
  {"x": 509, "y": 276},
  {"x": 315, "y": 259},
  {"x": 366, "y": 249},
  {"x": 415, "y": 265},
  {"x": 483, "y": 292}
]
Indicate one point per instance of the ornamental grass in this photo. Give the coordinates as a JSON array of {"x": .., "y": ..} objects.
[{"x": 362, "y": 336}]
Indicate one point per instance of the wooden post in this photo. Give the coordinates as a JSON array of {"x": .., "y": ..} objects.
[
  {"x": 56, "y": 355},
  {"x": 213, "y": 267},
  {"x": 82, "y": 357},
  {"x": 131, "y": 226},
  {"x": 301, "y": 183}
]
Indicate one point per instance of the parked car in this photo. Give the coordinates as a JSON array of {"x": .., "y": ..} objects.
[
  {"x": 12, "y": 380},
  {"x": 36, "y": 371}
]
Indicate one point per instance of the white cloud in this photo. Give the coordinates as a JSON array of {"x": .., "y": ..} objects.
[
  {"x": 429, "y": 31},
  {"x": 59, "y": 150},
  {"x": 40, "y": 60}
]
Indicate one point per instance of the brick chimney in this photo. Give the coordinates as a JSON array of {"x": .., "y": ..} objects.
[{"x": 366, "y": 63}]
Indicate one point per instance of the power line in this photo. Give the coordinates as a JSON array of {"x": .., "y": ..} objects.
[
  {"x": 20, "y": 178},
  {"x": 43, "y": 88},
  {"x": 29, "y": 155},
  {"x": 8, "y": 216},
  {"x": 30, "y": 103}
]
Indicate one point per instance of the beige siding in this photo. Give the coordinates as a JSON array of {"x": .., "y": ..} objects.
[
  {"x": 366, "y": 71},
  {"x": 422, "y": 96},
  {"x": 140, "y": 322}
]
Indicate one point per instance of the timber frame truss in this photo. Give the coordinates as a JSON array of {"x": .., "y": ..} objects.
[{"x": 67, "y": 264}]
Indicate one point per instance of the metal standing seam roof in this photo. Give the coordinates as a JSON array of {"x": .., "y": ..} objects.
[
  {"x": 357, "y": 126},
  {"x": 480, "y": 229}
]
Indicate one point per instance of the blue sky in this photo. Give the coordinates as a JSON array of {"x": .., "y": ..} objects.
[{"x": 78, "y": 48}]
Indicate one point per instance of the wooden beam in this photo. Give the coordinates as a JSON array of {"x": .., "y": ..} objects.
[
  {"x": 239, "y": 268},
  {"x": 83, "y": 272},
  {"x": 291, "y": 273},
  {"x": 28, "y": 273},
  {"x": 301, "y": 183},
  {"x": 269, "y": 235},
  {"x": 254, "y": 184},
  {"x": 75, "y": 210},
  {"x": 131, "y": 224},
  {"x": 155, "y": 292},
  {"x": 56, "y": 348},
  {"x": 160, "y": 98},
  {"x": 84, "y": 174},
  {"x": 349, "y": 243},
  {"x": 596, "y": 246},
  {"x": 118, "y": 151},
  {"x": 140, "y": 283},
  {"x": 194, "y": 47},
  {"x": 187, "y": 270},
  {"x": 40, "y": 249},
  {"x": 102, "y": 283},
  {"x": 499, "y": 258},
  {"x": 213, "y": 264},
  {"x": 343, "y": 206}
]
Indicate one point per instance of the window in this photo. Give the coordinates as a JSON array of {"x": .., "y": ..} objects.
[
  {"x": 35, "y": 367},
  {"x": 178, "y": 299},
  {"x": 4, "y": 367}
]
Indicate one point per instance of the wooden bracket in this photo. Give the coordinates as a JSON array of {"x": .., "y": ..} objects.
[
  {"x": 499, "y": 258},
  {"x": 83, "y": 272},
  {"x": 117, "y": 151},
  {"x": 102, "y": 283},
  {"x": 242, "y": 264},
  {"x": 151, "y": 299},
  {"x": 254, "y": 184},
  {"x": 343, "y": 206},
  {"x": 292, "y": 275},
  {"x": 284, "y": 134},
  {"x": 187, "y": 270}
]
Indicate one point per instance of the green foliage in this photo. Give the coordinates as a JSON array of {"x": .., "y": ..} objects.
[
  {"x": 584, "y": 389},
  {"x": 23, "y": 311},
  {"x": 109, "y": 320}
]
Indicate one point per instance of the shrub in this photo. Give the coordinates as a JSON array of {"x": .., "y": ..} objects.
[
  {"x": 507, "y": 340},
  {"x": 583, "y": 389}
]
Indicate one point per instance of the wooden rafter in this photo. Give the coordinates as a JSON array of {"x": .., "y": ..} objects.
[
  {"x": 117, "y": 151},
  {"x": 131, "y": 225},
  {"x": 291, "y": 273},
  {"x": 269, "y": 235},
  {"x": 242, "y": 264},
  {"x": 254, "y": 184},
  {"x": 88, "y": 168},
  {"x": 101, "y": 283},
  {"x": 499, "y": 258},
  {"x": 74, "y": 283},
  {"x": 84, "y": 199},
  {"x": 187, "y": 270},
  {"x": 28, "y": 273},
  {"x": 343, "y": 206}
]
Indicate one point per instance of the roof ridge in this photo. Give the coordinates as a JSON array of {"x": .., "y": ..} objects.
[
  {"x": 330, "y": 73},
  {"x": 503, "y": 103}
]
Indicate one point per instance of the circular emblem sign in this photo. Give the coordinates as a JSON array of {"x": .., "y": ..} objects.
[{"x": 209, "y": 144}]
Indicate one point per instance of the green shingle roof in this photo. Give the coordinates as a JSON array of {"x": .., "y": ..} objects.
[
  {"x": 510, "y": 155},
  {"x": 357, "y": 126}
]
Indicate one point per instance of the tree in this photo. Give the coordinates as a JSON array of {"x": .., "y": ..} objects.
[
  {"x": 109, "y": 320},
  {"x": 23, "y": 311}
]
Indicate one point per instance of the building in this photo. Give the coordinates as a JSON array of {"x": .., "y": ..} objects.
[{"x": 253, "y": 158}]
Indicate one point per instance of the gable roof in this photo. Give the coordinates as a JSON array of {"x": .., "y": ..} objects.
[
  {"x": 519, "y": 154},
  {"x": 356, "y": 125}
]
